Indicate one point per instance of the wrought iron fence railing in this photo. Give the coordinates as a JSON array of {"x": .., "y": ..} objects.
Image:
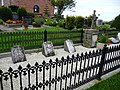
[{"x": 62, "y": 74}]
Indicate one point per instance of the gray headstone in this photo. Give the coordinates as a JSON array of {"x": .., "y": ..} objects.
[
  {"x": 47, "y": 49},
  {"x": 113, "y": 40},
  {"x": 15, "y": 17},
  {"x": 18, "y": 54},
  {"x": 27, "y": 19},
  {"x": 69, "y": 46}
]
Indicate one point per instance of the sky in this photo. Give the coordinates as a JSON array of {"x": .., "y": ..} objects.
[{"x": 108, "y": 9}]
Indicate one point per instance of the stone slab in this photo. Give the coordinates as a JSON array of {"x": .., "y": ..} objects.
[
  {"x": 69, "y": 46},
  {"x": 47, "y": 49},
  {"x": 18, "y": 54}
]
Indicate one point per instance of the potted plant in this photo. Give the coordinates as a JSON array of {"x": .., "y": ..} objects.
[
  {"x": 38, "y": 22},
  {"x": 102, "y": 40}
]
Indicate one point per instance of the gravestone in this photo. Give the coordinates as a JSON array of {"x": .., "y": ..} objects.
[
  {"x": 18, "y": 54},
  {"x": 47, "y": 49},
  {"x": 118, "y": 36},
  {"x": 27, "y": 19},
  {"x": 15, "y": 16},
  {"x": 69, "y": 46},
  {"x": 113, "y": 40}
]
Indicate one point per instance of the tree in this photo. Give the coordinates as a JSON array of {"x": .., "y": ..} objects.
[
  {"x": 21, "y": 12},
  {"x": 116, "y": 22},
  {"x": 61, "y": 5},
  {"x": 5, "y": 13},
  {"x": 14, "y": 8}
]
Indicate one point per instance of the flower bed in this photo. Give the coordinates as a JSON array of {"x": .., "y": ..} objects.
[{"x": 14, "y": 23}]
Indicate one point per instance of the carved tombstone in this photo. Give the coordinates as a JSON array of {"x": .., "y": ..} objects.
[
  {"x": 47, "y": 49},
  {"x": 18, "y": 54},
  {"x": 69, "y": 46}
]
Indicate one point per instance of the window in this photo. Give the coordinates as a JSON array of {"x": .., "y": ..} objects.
[{"x": 36, "y": 9}]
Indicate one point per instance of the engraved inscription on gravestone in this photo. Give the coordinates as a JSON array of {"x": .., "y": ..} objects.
[
  {"x": 47, "y": 49},
  {"x": 18, "y": 54},
  {"x": 69, "y": 46}
]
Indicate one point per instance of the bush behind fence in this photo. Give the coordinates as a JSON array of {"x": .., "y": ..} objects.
[{"x": 64, "y": 74}]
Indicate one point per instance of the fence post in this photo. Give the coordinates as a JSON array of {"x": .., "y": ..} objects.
[
  {"x": 82, "y": 36},
  {"x": 102, "y": 62},
  {"x": 45, "y": 35},
  {"x": 1, "y": 79}
]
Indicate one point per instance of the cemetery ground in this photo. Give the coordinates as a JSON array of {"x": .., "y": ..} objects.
[
  {"x": 6, "y": 62},
  {"x": 33, "y": 57}
]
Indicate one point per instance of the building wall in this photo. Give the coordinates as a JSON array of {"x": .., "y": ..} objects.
[{"x": 29, "y": 4}]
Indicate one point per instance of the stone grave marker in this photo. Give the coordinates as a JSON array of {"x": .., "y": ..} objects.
[
  {"x": 69, "y": 46},
  {"x": 113, "y": 40},
  {"x": 27, "y": 19},
  {"x": 118, "y": 36},
  {"x": 47, "y": 49},
  {"x": 18, "y": 54}
]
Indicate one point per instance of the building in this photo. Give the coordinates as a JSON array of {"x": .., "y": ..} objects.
[
  {"x": 33, "y": 6},
  {"x": 99, "y": 22}
]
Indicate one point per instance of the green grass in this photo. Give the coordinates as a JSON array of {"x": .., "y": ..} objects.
[
  {"x": 112, "y": 83},
  {"x": 32, "y": 39},
  {"x": 42, "y": 29}
]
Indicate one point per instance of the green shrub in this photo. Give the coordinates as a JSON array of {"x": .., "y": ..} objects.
[
  {"x": 14, "y": 8},
  {"x": 116, "y": 22},
  {"x": 104, "y": 27},
  {"x": 21, "y": 12},
  {"x": 5, "y": 13},
  {"x": 70, "y": 21},
  {"x": 61, "y": 23},
  {"x": 103, "y": 39},
  {"x": 38, "y": 21},
  {"x": 79, "y": 21},
  {"x": 31, "y": 14},
  {"x": 50, "y": 22},
  {"x": 1, "y": 21},
  {"x": 89, "y": 22}
]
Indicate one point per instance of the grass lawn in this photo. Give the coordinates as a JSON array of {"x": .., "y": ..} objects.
[
  {"x": 32, "y": 39},
  {"x": 46, "y": 28},
  {"x": 112, "y": 83}
]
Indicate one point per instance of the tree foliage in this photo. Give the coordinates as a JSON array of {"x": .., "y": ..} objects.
[
  {"x": 61, "y": 5},
  {"x": 79, "y": 22},
  {"x": 14, "y": 8},
  {"x": 116, "y": 22},
  {"x": 21, "y": 12},
  {"x": 5, "y": 13}
]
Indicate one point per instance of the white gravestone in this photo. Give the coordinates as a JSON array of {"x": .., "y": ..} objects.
[
  {"x": 18, "y": 54},
  {"x": 113, "y": 40},
  {"x": 69, "y": 46},
  {"x": 47, "y": 49},
  {"x": 118, "y": 36}
]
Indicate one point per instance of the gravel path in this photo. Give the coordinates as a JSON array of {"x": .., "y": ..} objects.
[{"x": 6, "y": 62}]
